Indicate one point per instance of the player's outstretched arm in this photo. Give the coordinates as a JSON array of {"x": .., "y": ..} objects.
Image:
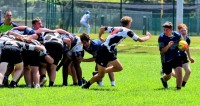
[
  {"x": 21, "y": 28},
  {"x": 101, "y": 31},
  {"x": 147, "y": 37},
  {"x": 62, "y": 31},
  {"x": 40, "y": 30}
]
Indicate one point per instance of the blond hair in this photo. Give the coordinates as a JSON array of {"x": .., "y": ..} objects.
[{"x": 125, "y": 20}]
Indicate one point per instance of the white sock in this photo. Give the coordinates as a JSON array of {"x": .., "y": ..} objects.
[
  {"x": 29, "y": 86},
  {"x": 113, "y": 83},
  {"x": 100, "y": 83},
  {"x": 37, "y": 86}
]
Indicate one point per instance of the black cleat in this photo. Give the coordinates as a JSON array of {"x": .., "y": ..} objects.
[
  {"x": 84, "y": 80},
  {"x": 12, "y": 84},
  {"x": 183, "y": 84},
  {"x": 65, "y": 84},
  {"x": 1, "y": 86},
  {"x": 165, "y": 85},
  {"x": 75, "y": 84},
  {"x": 178, "y": 88},
  {"x": 5, "y": 82},
  {"x": 43, "y": 81},
  {"x": 85, "y": 86}
]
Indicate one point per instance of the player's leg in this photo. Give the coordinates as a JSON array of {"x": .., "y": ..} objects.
[
  {"x": 167, "y": 70},
  {"x": 177, "y": 64},
  {"x": 9, "y": 70},
  {"x": 78, "y": 70},
  {"x": 112, "y": 78},
  {"x": 35, "y": 76},
  {"x": 52, "y": 74},
  {"x": 42, "y": 72},
  {"x": 18, "y": 72},
  {"x": 115, "y": 66},
  {"x": 178, "y": 72},
  {"x": 95, "y": 78},
  {"x": 3, "y": 68},
  {"x": 81, "y": 28},
  {"x": 27, "y": 76},
  {"x": 187, "y": 69},
  {"x": 65, "y": 72},
  {"x": 88, "y": 28},
  {"x": 73, "y": 73},
  {"x": 100, "y": 82}
]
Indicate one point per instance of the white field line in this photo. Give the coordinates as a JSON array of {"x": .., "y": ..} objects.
[{"x": 155, "y": 46}]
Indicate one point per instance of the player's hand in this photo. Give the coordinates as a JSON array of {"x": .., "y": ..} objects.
[
  {"x": 170, "y": 43},
  {"x": 71, "y": 37},
  {"x": 191, "y": 60},
  {"x": 148, "y": 34}
]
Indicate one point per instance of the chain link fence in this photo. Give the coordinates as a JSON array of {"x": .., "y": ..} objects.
[{"x": 66, "y": 14}]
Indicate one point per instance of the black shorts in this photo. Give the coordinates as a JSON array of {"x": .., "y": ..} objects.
[
  {"x": 11, "y": 54},
  {"x": 168, "y": 66},
  {"x": 184, "y": 58},
  {"x": 55, "y": 51},
  {"x": 104, "y": 56},
  {"x": 30, "y": 58}
]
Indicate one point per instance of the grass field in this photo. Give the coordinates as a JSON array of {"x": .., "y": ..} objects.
[{"x": 138, "y": 84}]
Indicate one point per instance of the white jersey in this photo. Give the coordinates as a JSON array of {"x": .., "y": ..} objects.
[
  {"x": 49, "y": 37},
  {"x": 77, "y": 47},
  {"x": 117, "y": 35},
  {"x": 85, "y": 17}
]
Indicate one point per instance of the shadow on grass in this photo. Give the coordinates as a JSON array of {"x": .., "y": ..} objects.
[
  {"x": 21, "y": 86},
  {"x": 131, "y": 49},
  {"x": 103, "y": 89},
  {"x": 158, "y": 89},
  {"x": 172, "y": 88}
]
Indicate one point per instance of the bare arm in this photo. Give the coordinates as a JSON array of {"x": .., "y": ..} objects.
[
  {"x": 101, "y": 31},
  {"x": 29, "y": 38},
  {"x": 19, "y": 28},
  {"x": 143, "y": 39},
  {"x": 40, "y": 30},
  {"x": 61, "y": 31},
  {"x": 189, "y": 56},
  {"x": 88, "y": 60},
  {"x": 15, "y": 34}
]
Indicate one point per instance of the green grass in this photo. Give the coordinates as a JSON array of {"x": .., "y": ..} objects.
[{"x": 137, "y": 84}]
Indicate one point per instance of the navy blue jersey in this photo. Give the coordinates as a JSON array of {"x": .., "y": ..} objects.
[
  {"x": 173, "y": 51},
  {"x": 26, "y": 31},
  {"x": 29, "y": 31},
  {"x": 94, "y": 47}
]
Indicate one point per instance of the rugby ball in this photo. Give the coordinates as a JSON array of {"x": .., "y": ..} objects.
[{"x": 182, "y": 45}]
